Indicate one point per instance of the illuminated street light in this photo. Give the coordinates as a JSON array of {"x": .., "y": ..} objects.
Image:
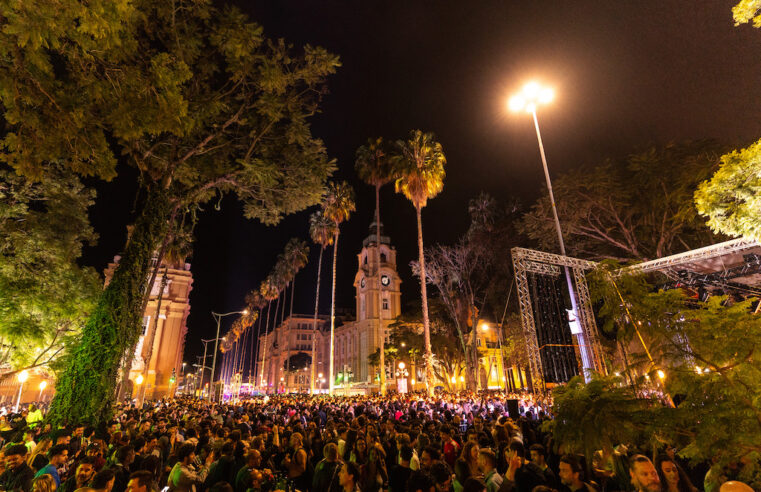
[
  {"x": 401, "y": 365},
  {"x": 139, "y": 379},
  {"x": 454, "y": 379},
  {"x": 484, "y": 327},
  {"x": 527, "y": 100},
  {"x": 22, "y": 377},
  {"x": 661, "y": 375}
]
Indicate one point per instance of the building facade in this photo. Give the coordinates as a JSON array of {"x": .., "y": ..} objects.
[
  {"x": 355, "y": 339},
  {"x": 158, "y": 354}
]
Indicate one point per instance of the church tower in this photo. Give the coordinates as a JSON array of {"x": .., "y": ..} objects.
[{"x": 371, "y": 276}]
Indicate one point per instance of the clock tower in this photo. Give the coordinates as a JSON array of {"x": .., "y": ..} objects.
[{"x": 373, "y": 318}]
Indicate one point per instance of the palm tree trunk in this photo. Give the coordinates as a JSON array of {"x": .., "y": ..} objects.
[
  {"x": 381, "y": 328},
  {"x": 333, "y": 312},
  {"x": 314, "y": 325},
  {"x": 424, "y": 295},
  {"x": 264, "y": 351},
  {"x": 290, "y": 321},
  {"x": 255, "y": 354}
]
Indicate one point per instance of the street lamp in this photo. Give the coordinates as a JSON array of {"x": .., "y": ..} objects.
[
  {"x": 527, "y": 100},
  {"x": 22, "y": 377},
  {"x": 43, "y": 385},
  {"x": 218, "y": 317}
]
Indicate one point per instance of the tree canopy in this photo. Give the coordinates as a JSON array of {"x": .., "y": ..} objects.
[{"x": 638, "y": 208}]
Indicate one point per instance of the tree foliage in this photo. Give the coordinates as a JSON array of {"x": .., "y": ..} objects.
[
  {"x": 731, "y": 199},
  {"x": 636, "y": 209},
  {"x": 45, "y": 296},
  {"x": 194, "y": 96},
  {"x": 707, "y": 352}
]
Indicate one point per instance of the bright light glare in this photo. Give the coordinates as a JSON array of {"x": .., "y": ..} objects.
[
  {"x": 530, "y": 97},
  {"x": 484, "y": 327},
  {"x": 661, "y": 374},
  {"x": 698, "y": 370},
  {"x": 23, "y": 376},
  {"x": 454, "y": 379},
  {"x": 401, "y": 365},
  {"x": 319, "y": 375},
  {"x": 462, "y": 379},
  {"x": 412, "y": 381},
  {"x": 244, "y": 312},
  {"x": 139, "y": 379},
  {"x": 43, "y": 385}
]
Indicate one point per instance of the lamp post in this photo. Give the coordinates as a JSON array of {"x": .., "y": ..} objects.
[
  {"x": 22, "y": 377},
  {"x": 531, "y": 96},
  {"x": 43, "y": 385},
  {"x": 218, "y": 317}
]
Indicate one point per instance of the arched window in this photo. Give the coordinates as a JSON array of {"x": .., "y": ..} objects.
[{"x": 383, "y": 257}]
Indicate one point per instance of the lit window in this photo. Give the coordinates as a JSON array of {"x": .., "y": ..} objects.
[{"x": 385, "y": 304}]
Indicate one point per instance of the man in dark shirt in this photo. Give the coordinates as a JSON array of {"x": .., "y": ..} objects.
[
  {"x": 18, "y": 475},
  {"x": 325, "y": 477},
  {"x": 401, "y": 473}
]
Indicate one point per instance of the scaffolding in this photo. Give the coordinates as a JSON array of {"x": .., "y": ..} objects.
[
  {"x": 744, "y": 256},
  {"x": 527, "y": 261}
]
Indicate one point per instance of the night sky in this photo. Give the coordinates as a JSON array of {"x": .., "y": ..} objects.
[{"x": 626, "y": 75}]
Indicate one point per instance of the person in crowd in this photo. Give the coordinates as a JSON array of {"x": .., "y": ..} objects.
[
  {"x": 643, "y": 474},
  {"x": 487, "y": 464},
  {"x": 18, "y": 474},
  {"x": 38, "y": 458},
  {"x": 123, "y": 459},
  {"x": 184, "y": 477},
  {"x": 671, "y": 475},
  {"x": 325, "y": 473},
  {"x": 103, "y": 481},
  {"x": 442, "y": 476},
  {"x": 141, "y": 481},
  {"x": 84, "y": 473},
  {"x": 401, "y": 473},
  {"x": 348, "y": 478},
  {"x": 420, "y": 481},
  {"x": 57, "y": 457},
  {"x": 571, "y": 474},
  {"x": 538, "y": 457},
  {"x": 43, "y": 483}
]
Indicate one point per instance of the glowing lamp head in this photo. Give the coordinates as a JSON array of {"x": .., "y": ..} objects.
[
  {"x": 23, "y": 376},
  {"x": 412, "y": 381},
  {"x": 139, "y": 379},
  {"x": 402, "y": 365},
  {"x": 484, "y": 327},
  {"x": 462, "y": 379},
  {"x": 244, "y": 312},
  {"x": 661, "y": 374},
  {"x": 532, "y": 95},
  {"x": 454, "y": 379},
  {"x": 319, "y": 375},
  {"x": 43, "y": 385}
]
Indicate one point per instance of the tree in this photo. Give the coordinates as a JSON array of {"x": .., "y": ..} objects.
[
  {"x": 45, "y": 297},
  {"x": 730, "y": 198},
  {"x": 337, "y": 206},
  {"x": 295, "y": 255},
  {"x": 419, "y": 165},
  {"x": 322, "y": 231},
  {"x": 701, "y": 353},
  {"x": 374, "y": 168},
  {"x": 636, "y": 209},
  {"x": 195, "y": 97}
]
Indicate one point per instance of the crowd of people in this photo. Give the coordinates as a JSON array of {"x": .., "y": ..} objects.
[{"x": 398, "y": 443}]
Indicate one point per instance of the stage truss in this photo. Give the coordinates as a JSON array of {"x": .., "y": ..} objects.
[
  {"x": 713, "y": 265},
  {"x": 531, "y": 261}
]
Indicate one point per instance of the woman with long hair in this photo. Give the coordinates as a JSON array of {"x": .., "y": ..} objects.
[
  {"x": 38, "y": 459},
  {"x": 673, "y": 478}
]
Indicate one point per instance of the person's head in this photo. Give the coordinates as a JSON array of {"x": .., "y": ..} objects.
[
  {"x": 43, "y": 483},
  {"x": 442, "y": 476},
  {"x": 15, "y": 455},
  {"x": 406, "y": 454},
  {"x": 330, "y": 451},
  {"x": 125, "y": 455},
  {"x": 296, "y": 440},
  {"x": 254, "y": 458},
  {"x": 103, "y": 480},
  {"x": 486, "y": 460},
  {"x": 58, "y": 454},
  {"x": 518, "y": 449},
  {"x": 63, "y": 436},
  {"x": 186, "y": 454},
  {"x": 537, "y": 453},
  {"x": 228, "y": 448},
  {"x": 428, "y": 457},
  {"x": 348, "y": 476},
  {"x": 470, "y": 451},
  {"x": 420, "y": 481},
  {"x": 85, "y": 470},
  {"x": 473, "y": 485},
  {"x": 668, "y": 471},
  {"x": 570, "y": 471},
  {"x": 141, "y": 481},
  {"x": 94, "y": 450},
  {"x": 734, "y": 486},
  {"x": 643, "y": 474}
]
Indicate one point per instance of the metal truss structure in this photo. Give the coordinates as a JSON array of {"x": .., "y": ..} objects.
[
  {"x": 676, "y": 267},
  {"x": 531, "y": 261}
]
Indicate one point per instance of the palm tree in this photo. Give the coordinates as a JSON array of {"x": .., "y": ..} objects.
[
  {"x": 337, "y": 207},
  {"x": 374, "y": 168},
  {"x": 321, "y": 230},
  {"x": 269, "y": 292},
  {"x": 420, "y": 166},
  {"x": 296, "y": 254}
]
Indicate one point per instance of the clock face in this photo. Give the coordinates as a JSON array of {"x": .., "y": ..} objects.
[
  {"x": 385, "y": 280},
  {"x": 362, "y": 282}
]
